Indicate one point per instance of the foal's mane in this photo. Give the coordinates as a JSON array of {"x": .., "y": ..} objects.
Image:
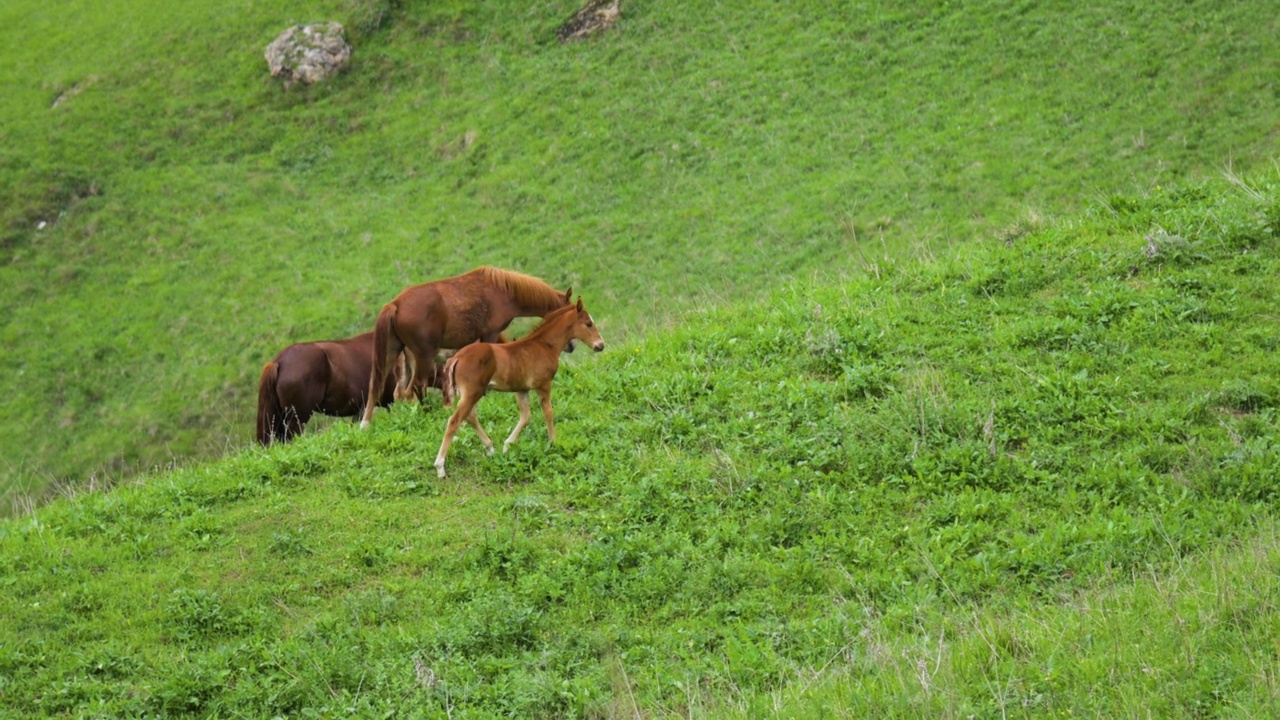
[
  {"x": 524, "y": 289},
  {"x": 550, "y": 318}
]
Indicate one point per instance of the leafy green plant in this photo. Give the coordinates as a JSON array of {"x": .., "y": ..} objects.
[{"x": 201, "y": 614}]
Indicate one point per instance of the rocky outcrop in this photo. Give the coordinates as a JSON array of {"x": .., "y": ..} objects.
[{"x": 308, "y": 53}]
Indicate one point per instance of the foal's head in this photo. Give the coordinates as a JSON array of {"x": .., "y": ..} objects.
[{"x": 584, "y": 329}]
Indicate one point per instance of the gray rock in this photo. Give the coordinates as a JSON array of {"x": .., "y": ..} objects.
[{"x": 308, "y": 53}]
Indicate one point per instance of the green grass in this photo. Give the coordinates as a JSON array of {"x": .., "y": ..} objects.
[
  {"x": 982, "y": 484},
  {"x": 199, "y": 218},
  {"x": 942, "y": 376},
  {"x": 1193, "y": 639}
]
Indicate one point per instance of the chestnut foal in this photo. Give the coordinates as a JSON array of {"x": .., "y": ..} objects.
[{"x": 529, "y": 363}]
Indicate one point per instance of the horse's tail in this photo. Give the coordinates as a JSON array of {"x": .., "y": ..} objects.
[
  {"x": 383, "y": 335},
  {"x": 271, "y": 425},
  {"x": 448, "y": 386}
]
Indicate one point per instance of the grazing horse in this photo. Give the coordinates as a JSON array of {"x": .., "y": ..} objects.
[
  {"x": 319, "y": 377},
  {"x": 529, "y": 363},
  {"x": 451, "y": 313}
]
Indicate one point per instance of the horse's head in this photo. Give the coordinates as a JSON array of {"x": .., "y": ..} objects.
[{"x": 584, "y": 329}]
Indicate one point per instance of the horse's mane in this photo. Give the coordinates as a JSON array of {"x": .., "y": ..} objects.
[{"x": 524, "y": 289}]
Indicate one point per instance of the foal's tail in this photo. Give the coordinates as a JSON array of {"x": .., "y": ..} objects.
[
  {"x": 271, "y": 424},
  {"x": 447, "y": 384},
  {"x": 384, "y": 355}
]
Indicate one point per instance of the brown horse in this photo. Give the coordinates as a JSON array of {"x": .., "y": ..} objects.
[
  {"x": 452, "y": 313},
  {"x": 319, "y": 377},
  {"x": 526, "y": 364}
]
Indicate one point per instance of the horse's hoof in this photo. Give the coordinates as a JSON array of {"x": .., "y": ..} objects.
[{"x": 364, "y": 424}]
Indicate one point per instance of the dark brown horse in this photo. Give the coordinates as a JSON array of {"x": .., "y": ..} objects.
[
  {"x": 529, "y": 363},
  {"x": 319, "y": 377},
  {"x": 451, "y": 313}
]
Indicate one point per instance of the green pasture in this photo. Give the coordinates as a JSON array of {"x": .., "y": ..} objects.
[
  {"x": 171, "y": 217},
  {"x": 942, "y": 374},
  {"x": 1035, "y": 477}
]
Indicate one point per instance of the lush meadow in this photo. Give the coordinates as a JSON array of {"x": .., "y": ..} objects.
[
  {"x": 942, "y": 376},
  {"x": 924, "y": 491},
  {"x": 172, "y": 217}
]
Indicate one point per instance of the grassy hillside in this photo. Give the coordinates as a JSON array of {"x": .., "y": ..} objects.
[
  {"x": 197, "y": 218},
  {"x": 1193, "y": 639},
  {"x": 952, "y": 468}
]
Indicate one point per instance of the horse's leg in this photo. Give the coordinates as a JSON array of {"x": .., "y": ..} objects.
[
  {"x": 450, "y": 429},
  {"x": 484, "y": 437},
  {"x": 404, "y": 368},
  {"x": 466, "y": 407},
  {"x": 425, "y": 374},
  {"x": 420, "y": 348},
  {"x": 522, "y": 399},
  {"x": 410, "y": 380},
  {"x": 544, "y": 396}
]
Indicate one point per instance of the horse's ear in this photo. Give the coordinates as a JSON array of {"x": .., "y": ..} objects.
[
  {"x": 568, "y": 295},
  {"x": 579, "y": 303}
]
